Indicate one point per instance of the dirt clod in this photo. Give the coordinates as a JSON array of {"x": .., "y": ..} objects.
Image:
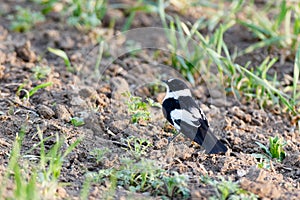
[
  {"x": 62, "y": 113},
  {"x": 108, "y": 135},
  {"x": 119, "y": 86},
  {"x": 45, "y": 111},
  {"x": 25, "y": 52}
]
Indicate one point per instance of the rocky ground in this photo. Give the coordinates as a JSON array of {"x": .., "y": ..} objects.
[{"x": 97, "y": 98}]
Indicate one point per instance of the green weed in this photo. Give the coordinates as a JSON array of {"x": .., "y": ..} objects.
[
  {"x": 176, "y": 184},
  {"x": 47, "y": 5},
  {"x": 275, "y": 149},
  {"x": 77, "y": 121},
  {"x": 295, "y": 88},
  {"x": 40, "y": 72},
  {"x": 25, "y": 19},
  {"x": 86, "y": 13},
  {"x": 227, "y": 189},
  {"x": 144, "y": 176},
  {"x": 137, "y": 146},
  {"x": 50, "y": 162},
  {"x": 138, "y": 108},
  {"x": 256, "y": 84},
  {"x": 79, "y": 13},
  {"x": 25, "y": 186},
  {"x": 32, "y": 179},
  {"x": 99, "y": 57},
  {"x": 84, "y": 194},
  {"x": 99, "y": 154},
  {"x": 191, "y": 52},
  {"x": 263, "y": 160},
  {"x": 38, "y": 87}
]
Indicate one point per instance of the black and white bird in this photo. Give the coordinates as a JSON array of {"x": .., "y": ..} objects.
[{"x": 181, "y": 110}]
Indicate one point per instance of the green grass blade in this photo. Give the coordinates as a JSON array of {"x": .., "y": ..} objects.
[
  {"x": 31, "y": 189},
  {"x": 41, "y": 86},
  {"x": 261, "y": 44},
  {"x": 64, "y": 56},
  {"x": 71, "y": 147},
  {"x": 281, "y": 16},
  {"x": 296, "y": 73},
  {"x": 257, "y": 30},
  {"x": 129, "y": 21}
]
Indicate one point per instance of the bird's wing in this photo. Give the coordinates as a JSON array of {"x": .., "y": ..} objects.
[
  {"x": 182, "y": 115},
  {"x": 196, "y": 115}
]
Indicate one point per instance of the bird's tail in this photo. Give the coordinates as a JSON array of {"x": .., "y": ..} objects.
[{"x": 209, "y": 141}]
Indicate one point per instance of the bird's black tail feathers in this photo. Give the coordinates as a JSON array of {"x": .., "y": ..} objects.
[
  {"x": 218, "y": 148},
  {"x": 212, "y": 145}
]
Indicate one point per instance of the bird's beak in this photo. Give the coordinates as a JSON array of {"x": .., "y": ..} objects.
[{"x": 164, "y": 81}]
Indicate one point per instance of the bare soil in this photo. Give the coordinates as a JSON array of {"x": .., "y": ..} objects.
[{"x": 97, "y": 98}]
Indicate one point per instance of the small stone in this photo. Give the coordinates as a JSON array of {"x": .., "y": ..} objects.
[
  {"x": 87, "y": 92},
  {"x": 119, "y": 86},
  {"x": 45, "y": 112},
  {"x": 2, "y": 68},
  {"x": 196, "y": 194},
  {"x": 241, "y": 172},
  {"x": 61, "y": 192},
  {"x": 3, "y": 33},
  {"x": 113, "y": 15},
  {"x": 66, "y": 43},
  {"x": 2, "y": 57},
  {"x": 25, "y": 52},
  {"x": 77, "y": 101},
  {"x": 52, "y": 35},
  {"x": 216, "y": 94},
  {"x": 62, "y": 113},
  {"x": 220, "y": 102}
]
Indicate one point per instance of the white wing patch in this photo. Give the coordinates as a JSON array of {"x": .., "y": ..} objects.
[
  {"x": 185, "y": 116},
  {"x": 177, "y": 94},
  {"x": 198, "y": 112}
]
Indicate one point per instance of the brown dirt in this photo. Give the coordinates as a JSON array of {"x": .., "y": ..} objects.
[{"x": 107, "y": 120}]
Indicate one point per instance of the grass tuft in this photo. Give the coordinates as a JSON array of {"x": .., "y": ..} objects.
[
  {"x": 275, "y": 149},
  {"x": 38, "y": 176},
  {"x": 138, "y": 108}
]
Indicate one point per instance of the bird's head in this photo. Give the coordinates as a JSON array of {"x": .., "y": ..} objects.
[{"x": 177, "y": 87}]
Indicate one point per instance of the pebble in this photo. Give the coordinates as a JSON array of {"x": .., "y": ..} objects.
[
  {"x": 119, "y": 86},
  {"x": 66, "y": 42},
  {"x": 2, "y": 57},
  {"x": 62, "y": 113},
  {"x": 61, "y": 192},
  {"x": 45, "y": 111},
  {"x": 87, "y": 92},
  {"x": 25, "y": 52},
  {"x": 2, "y": 68},
  {"x": 3, "y": 33}
]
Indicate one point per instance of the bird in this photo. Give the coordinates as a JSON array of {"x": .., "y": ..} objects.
[{"x": 181, "y": 110}]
